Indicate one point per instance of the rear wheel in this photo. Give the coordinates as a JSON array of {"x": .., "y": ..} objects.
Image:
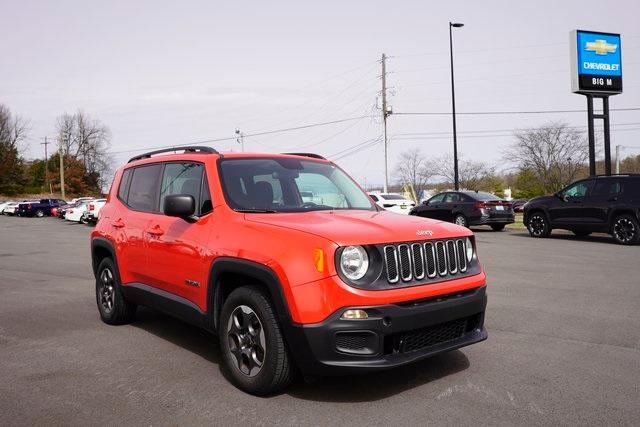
[
  {"x": 254, "y": 352},
  {"x": 113, "y": 308},
  {"x": 497, "y": 227},
  {"x": 538, "y": 225},
  {"x": 461, "y": 220},
  {"x": 625, "y": 230}
]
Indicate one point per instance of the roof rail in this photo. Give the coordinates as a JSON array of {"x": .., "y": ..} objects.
[
  {"x": 188, "y": 149},
  {"x": 312, "y": 155},
  {"x": 617, "y": 174}
]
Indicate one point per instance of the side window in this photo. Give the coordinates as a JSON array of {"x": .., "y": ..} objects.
[
  {"x": 578, "y": 190},
  {"x": 451, "y": 198},
  {"x": 607, "y": 188},
  {"x": 375, "y": 198},
  {"x": 143, "y": 191},
  {"x": 123, "y": 190},
  {"x": 436, "y": 199},
  {"x": 182, "y": 178}
]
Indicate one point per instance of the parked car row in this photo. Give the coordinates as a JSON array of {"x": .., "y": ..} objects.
[{"x": 83, "y": 209}]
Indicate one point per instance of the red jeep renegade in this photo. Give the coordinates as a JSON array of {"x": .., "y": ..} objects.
[{"x": 288, "y": 261}]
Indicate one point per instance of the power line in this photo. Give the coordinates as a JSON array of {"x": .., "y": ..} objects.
[{"x": 499, "y": 113}]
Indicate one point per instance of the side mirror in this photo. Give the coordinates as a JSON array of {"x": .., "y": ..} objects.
[{"x": 180, "y": 205}]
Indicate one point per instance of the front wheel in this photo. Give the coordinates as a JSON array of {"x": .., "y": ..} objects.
[
  {"x": 39, "y": 213},
  {"x": 625, "y": 230},
  {"x": 538, "y": 225},
  {"x": 254, "y": 352}
]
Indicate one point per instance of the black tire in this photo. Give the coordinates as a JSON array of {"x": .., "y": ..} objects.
[
  {"x": 538, "y": 225},
  {"x": 625, "y": 230},
  {"x": 581, "y": 233},
  {"x": 498, "y": 227},
  {"x": 39, "y": 213},
  {"x": 461, "y": 220},
  {"x": 113, "y": 307},
  {"x": 260, "y": 350}
]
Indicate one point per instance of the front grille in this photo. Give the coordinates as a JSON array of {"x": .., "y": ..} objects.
[
  {"x": 420, "y": 339},
  {"x": 350, "y": 341},
  {"x": 417, "y": 261}
]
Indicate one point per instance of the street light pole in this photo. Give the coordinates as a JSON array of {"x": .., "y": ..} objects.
[
  {"x": 240, "y": 139},
  {"x": 453, "y": 107}
]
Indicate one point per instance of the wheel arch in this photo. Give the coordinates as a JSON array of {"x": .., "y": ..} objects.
[
  {"x": 228, "y": 273},
  {"x": 623, "y": 211},
  {"x": 102, "y": 248}
]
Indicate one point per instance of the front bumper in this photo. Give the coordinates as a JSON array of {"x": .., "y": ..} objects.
[{"x": 393, "y": 335}]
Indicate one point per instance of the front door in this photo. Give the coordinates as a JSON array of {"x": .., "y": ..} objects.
[
  {"x": 569, "y": 208},
  {"x": 177, "y": 248}
]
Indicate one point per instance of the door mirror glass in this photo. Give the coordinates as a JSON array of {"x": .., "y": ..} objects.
[{"x": 180, "y": 205}]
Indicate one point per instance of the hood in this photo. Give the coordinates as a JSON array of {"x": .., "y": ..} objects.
[{"x": 353, "y": 227}]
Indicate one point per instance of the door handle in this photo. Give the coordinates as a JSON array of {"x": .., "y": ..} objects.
[
  {"x": 155, "y": 231},
  {"x": 117, "y": 223}
]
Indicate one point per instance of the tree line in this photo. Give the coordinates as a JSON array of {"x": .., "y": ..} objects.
[
  {"x": 82, "y": 141},
  {"x": 541, "y": 161}
]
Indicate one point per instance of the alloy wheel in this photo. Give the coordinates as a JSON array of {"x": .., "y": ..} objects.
[
  {"x": 460, "y": 220},
  {"x": 624, "y": 230},
  {"x": 536, "y": 225},
  {"x": 107, "y": 291},
  {"x": 246, "y": 339}
]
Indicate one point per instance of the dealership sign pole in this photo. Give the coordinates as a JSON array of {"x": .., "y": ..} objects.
[{"x": 596, "y": 72}]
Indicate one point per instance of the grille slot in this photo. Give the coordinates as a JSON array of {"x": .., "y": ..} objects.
[
  {"x": 424, "y": 338},
  {"x": 391, "y": 262},
  {"x": 441, "y": 257},
  {"x": 430, "y": 258},
  {"x": 417, "y": 257},
  {"x": 451, "y": 257},
  {"x": 405, "y": 262},
  {"x": 462, "y": 255}
]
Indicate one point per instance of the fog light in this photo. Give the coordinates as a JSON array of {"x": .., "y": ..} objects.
[{"x": 354, "y": 314}]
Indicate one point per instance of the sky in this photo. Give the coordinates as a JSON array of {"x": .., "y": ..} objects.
[{"x": 160, "y": 73}]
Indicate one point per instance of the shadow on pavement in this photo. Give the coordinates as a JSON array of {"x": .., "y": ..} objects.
[
  {"x": 377, "y": 386},
  {"x": 569, "y": 236}
]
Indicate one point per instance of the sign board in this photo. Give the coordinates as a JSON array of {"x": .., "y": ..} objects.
[{"x": 596, "y": 62}]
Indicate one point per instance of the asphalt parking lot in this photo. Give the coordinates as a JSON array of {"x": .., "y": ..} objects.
[{"x": 563, "y": 348}]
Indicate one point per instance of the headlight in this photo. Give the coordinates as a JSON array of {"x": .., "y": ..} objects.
[
  {"x": 354, "y": 262},
  {"x": 469, "y": 246}
]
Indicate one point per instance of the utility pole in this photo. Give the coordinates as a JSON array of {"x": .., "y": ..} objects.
[
  {"x": 240, "y": 138},
  {"x": 618, "y": 147},
  {"x": 61, "y": 170},
  {"x": 384, "y": 120},
  {"x": 453, "y": 107},
  {"x": 46, "y": 164}
]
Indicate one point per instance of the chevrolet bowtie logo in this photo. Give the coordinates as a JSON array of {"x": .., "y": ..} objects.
[{"x": 601, "y": 47}]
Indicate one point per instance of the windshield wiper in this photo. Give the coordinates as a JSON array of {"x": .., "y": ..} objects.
[{"x": 256, "y": 210}]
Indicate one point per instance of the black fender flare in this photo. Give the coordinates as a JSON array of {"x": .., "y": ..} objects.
[
  {"x": 107, "y": 245},
  {"x": 261, "y": 273}
]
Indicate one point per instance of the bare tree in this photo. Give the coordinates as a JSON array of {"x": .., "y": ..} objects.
[
  {"x": 555, "y": 153},
  {"x": 414, "y": 169},
  {"x": 87, "y": 140},
  {"x": 472, "y": 175}
]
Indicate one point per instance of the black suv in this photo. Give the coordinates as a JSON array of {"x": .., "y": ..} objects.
[
  {"x": 467, "y": 208},
  {"x": 605, "y": 204}
]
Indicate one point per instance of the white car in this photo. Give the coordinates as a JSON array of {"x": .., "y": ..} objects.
[
  {"x": 3, "y": 205},
  {"x": 75, "y": 213},
  {"x": 393, "y": 202},
  {"x": 93, "y": 209},
  {"x": 11, "y": 208}
]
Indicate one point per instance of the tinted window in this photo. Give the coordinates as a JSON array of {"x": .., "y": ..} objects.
[
  {"x": 123, "y": 190},
  {"x": 607, "y": 188},
  {"x": 438, "y": 198},
  {"x": 182, "y": 178},
  {"x": 375, "y": 198},
  {"x": 452, "y": 197},
  {"x": 481, "y": 195},
  {"x": 579, "y": 189},
  {"x": 392, "y": 196},
  {"x": 143, "y": 191}
]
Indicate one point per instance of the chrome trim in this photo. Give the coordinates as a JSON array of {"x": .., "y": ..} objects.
[
  {"x": 422, "y": 260},
  {"x": 462, "y": 263},
  {"x": 386, "y": 264},
  {"x": 410, "y": 276}
]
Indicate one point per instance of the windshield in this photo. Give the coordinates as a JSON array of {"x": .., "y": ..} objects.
[{"x": 289, "y": 185}]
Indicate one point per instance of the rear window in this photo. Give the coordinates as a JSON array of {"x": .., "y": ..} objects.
[
  {"x": 392, "y": 197},
  {"x": 481, "y": 195}
]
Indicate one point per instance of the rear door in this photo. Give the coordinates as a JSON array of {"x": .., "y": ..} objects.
[
  {"x": 176, "y": 248},
  {"x": 607, "y": 194}
]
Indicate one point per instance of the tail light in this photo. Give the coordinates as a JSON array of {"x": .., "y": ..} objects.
[
  {"x": 29, "y": 206},
  {"x": 480, "y": 205},
  {"x": 91, "y": 207}
]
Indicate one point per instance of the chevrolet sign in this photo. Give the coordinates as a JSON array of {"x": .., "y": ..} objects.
[{"x": 596, "y": 62}]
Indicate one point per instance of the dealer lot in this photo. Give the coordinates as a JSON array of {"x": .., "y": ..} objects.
[{"x": 563, "y": 347}]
